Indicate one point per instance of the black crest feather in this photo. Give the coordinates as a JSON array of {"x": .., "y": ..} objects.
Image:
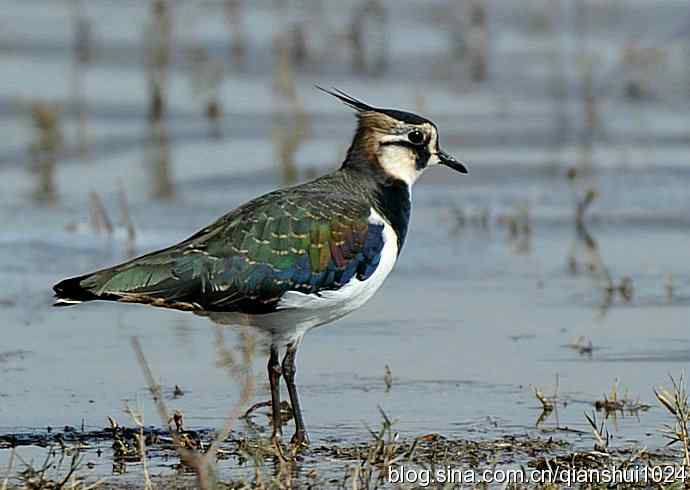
[
  {"x": 359, "y": 106},
  {"x": 348, "y": 100}
]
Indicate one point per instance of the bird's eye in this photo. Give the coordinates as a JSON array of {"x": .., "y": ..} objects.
[{"x": 416, "y": 137}]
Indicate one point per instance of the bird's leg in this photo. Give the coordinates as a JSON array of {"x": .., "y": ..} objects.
[
  {"x": 274, "y": 372},
  {"x": 300, "y": 437}
]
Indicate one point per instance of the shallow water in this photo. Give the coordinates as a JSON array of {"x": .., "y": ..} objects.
[{"x": 469, "y": 322}]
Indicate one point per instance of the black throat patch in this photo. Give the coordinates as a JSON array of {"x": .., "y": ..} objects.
[{"x": 392, "y": 200}]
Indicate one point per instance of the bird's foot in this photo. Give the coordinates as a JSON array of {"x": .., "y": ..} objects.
[
  {"x": 300, "y": 439},
  {"x": 277, "y": 442}
]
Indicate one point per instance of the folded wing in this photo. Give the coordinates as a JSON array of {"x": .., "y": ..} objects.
[{"x": 248, "y": 259}]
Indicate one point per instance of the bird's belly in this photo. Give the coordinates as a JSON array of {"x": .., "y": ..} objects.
[{"x": 298, "y": 312}]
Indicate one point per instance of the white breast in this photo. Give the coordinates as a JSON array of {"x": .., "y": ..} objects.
[{"x": 299, "y": 312}]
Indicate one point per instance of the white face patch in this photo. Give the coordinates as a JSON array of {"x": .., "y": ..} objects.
[{"x": 400, "y": 161}]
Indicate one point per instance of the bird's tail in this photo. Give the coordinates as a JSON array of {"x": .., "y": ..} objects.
[{"x": 163, "y": 277}]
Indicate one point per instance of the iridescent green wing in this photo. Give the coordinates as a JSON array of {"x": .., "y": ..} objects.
[{"x": 250, "y": 258}]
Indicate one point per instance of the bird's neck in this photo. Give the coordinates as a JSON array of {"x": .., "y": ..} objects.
[{"x": 390, "y": 197}]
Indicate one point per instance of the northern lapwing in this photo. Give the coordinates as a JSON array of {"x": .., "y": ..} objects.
[{"x": 295, "y": 258}]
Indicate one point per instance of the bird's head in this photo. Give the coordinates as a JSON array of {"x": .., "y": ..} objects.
[{"x": 400, "y": 144}]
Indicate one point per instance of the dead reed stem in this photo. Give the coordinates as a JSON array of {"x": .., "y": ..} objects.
[
  {"x": 478, "y": 37},
  {"x": 139, "y": 422},
  {"x": 549, "y": 404},
  {"x": 559, "y": 80},
  {"x": 546, "y": 404},
  {"x": 240, "y": 371},
  {"x": 126, "y": 220},
  {"x": 159, "y": 161},
  {"x": 100, "y": 222},
  {"x": 283, "y": 76},
  {"x": 233, "y": 18},
  {"x": 159, "y": 52},
  {"x": 82, "y": 55},
  {"x": 189, "y": 457},
  {"x": 388, "y": 378},
  {"x": 158, "y": 41},
  {"x": 290, "y": 131},
  {"x": 10, "y": 465},
  {"x": 368, "y": 38},
  {"x": 204, "y": 464},
  {"x": 590, "y": 115},
  {"x": 44, "y": 150}
]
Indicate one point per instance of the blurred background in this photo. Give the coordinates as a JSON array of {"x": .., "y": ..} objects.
[{"x": 560, "y": 262}]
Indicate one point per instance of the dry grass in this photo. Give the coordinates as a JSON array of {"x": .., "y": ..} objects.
[
  {"x": 366, "y": 465},
  {"x": 372, "y": 462},
  {"x": 615, "y": 402},
  {"x": 675, "y": 400},
  {"x": 600, "y": 432},
  {"x": 51, "y": 475}
]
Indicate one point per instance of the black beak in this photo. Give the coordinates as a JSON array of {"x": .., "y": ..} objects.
[{"x": 449, "y": 161}]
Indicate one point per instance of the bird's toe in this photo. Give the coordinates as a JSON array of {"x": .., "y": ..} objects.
[{"x": 300, "y": 439}]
